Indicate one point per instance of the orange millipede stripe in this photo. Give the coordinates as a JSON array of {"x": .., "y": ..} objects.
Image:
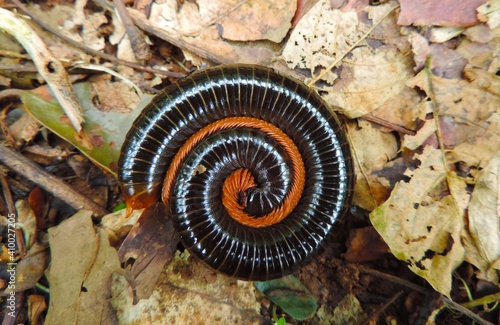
[{"x": 236, "y": 211}]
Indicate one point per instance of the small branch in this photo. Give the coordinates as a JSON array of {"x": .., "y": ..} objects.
[
  {"x": 28, "y": 169},
  {"x": 439, "y": 135},
  {"x": 144, "y": 24},
  {"x": 141, "y": 49},
  {"x": 424, "y": 291},
  {"x": 377, "y": 313},
  {"x": 490, "y": 299},
  {"x": 387, "y": 124},
  {"x": 7, "y": 195},
  {"x": 88, "y": 50}
]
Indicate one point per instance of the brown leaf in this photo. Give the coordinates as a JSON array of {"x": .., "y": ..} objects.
[
  {"x": 361, "y": 90},
  {"x": 149, "y": 245},
  {"x": 482, "y": 234},
  {"x": 203, "y": 25},
  {"x": 420, "y": 226},
  {"x": 36, "y": 306},
  {"x": 189, "y": 293},
  {"x": 80, "y": 272},
  {"x": 373, "y": 150},
  {"x": 32, "y": 267},
  {"x": 321, "y": 36},
  {"x": 25, "y": 128},
  {"x": 251, "y": 21},
  {"x": 440, "y": 13},
  {"x": 39, "y": 205},
  {"x": 365, "y": 244}
]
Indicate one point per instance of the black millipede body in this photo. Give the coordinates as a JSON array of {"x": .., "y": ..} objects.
[{"x": 265, "y": 243}]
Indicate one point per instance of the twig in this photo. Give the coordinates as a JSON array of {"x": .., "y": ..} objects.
[
  {"x": 464, "y": 311},
  {"x": 12, "y": 92},
  {"x": 48, "y": 66},
  {"x": 84, "y": 48},
  {"x": 494, "y": 298},
  {"x": 387, "y": 124},
  {"x": 377, "y": 313},
  {"x": 425, "y": 291},
  {"x": 141, "y": 49},
  {"x": 143, "y": 23},
  {"x": 439, "y": 136},
  {"x": 115, "y": 74},
  {"x": 28, "y": 169},
  {"x": 7, "y": 195}
]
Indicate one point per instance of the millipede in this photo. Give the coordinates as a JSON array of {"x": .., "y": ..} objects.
[{"x": 254, "y": 168}]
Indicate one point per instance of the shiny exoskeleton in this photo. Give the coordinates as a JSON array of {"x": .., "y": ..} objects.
[{"x": 206, "y": 228}]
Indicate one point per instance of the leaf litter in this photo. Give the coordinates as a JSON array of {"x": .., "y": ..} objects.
[{"x": 432, "y": 188}]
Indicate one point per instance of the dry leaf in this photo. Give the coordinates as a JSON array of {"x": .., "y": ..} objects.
[
  {"x": 365, "y": 245},
  {"x": 92, "y": 35},
  {"x": 480, "y": 145},
  {"x": 360, "y": 89},
  {"x": 421, "y": 228},
  {"x": 440, "y": 13},
  {"x": 31, "y": 267},
  {"x": 482, "y": 234},
  {"x": 481, "y": 33},
  {"x": 80, "y": 272},
  {"x": 412, "y": 142},
  {"x": 446, "y": 62},
  {"x": 444, "y": 34},
  {"x": 483, "y": 80},
  {"x": 475, "y": 113},
  {"x": 189, "y": 293},
  {"x": 105, "y": 95},
  {"x": 458, "y": 98},
  {"x": 63, "y": 19},
  {"x": 149, "y": 245},
  {"x": 213, "y": 26},
  {"x": 373, "y": 150},
  {"x": 321, "y": 36},
  {"x": 249, "y": 21},
  {"x": 490, "y": 12},
  {"x": 36, "y": 306},
  {"x": 25, "y": 128}
]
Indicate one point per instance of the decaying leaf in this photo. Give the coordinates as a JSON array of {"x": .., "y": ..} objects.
[
  {"x": 325, "y": 35},
  {"x": 490, "y": 12},
  {"x": 373, "y": 150},
  {"x": 188, "y": 293},
  {"x": 320, "y": 36},
  {"x": 476, "y": 115},
  {"x": 80, "y": 272},
  {"x": 149, "y": 245},
  {"x": 348, "y": 310},
  {"x": 440, "y": 13},
  {"x": 422, "y": 228},
  {"x": 482, "y": 233},
  {"x": 458, "y": 98},
  {"x": 213, "y": 26},
  {"x": 361, "y": 89}
]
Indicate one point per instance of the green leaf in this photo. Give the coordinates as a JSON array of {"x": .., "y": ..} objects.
[
  {"x": 291, "y": 295},
  {"x": 103, "y": 132}
]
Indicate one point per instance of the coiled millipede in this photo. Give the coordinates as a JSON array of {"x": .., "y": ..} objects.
[{"x": 253, "y": 166}]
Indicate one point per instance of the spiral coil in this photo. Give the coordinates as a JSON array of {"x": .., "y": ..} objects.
[{"x": 253, "y": 166}]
